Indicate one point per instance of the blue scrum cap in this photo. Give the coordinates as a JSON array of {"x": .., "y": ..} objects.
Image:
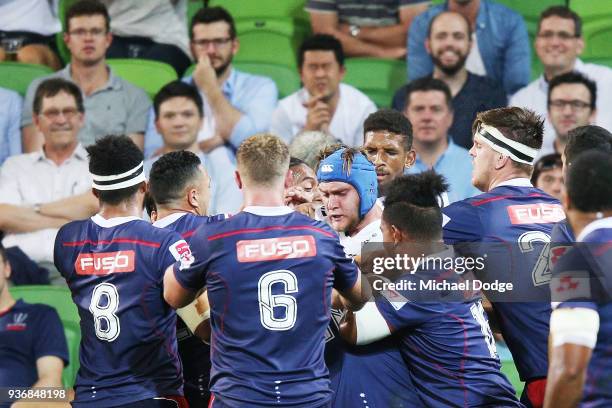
[{"x": 361, "y": 175}]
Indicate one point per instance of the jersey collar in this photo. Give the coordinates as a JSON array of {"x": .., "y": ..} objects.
[
  {"x": 516, "y": 182},
  {"x": 268, "y": 211},
  {"x": 168, "y": 219},
  {"x": 595, "y": 225},
  {"x": 112, "y": 222}
]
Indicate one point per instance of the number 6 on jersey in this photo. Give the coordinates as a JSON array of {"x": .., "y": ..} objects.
[{"x": 268, "y": 301}]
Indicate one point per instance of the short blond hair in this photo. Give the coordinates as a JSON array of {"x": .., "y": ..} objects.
[{"x": 263, "y": 159}]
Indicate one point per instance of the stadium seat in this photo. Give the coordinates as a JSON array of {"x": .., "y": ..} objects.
[
  {"x": 62, "y": 7},
  {"x": 270, "y": 40},
  {"x": 377, "y": 78},
  {"x": 596, "y": 27},
  {"x": 61, "y": 300},
  {"x": 146, "y": 74},
  {"x": 287, "y": 79},
  {"x": 17, "y": 76},
  {"x": 240, "y": 9},
  {"x": 58, "y": 297},
  {"x": 73, "y": 338}
]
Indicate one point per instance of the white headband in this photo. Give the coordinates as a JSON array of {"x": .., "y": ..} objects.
[
  {"x": 511, "y": 148},
  {"x": 118, "y": 181}
]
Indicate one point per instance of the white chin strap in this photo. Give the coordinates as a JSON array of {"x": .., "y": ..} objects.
[
  {"x": 497, "y": 141},
  {"x": 118, "y": 181}
]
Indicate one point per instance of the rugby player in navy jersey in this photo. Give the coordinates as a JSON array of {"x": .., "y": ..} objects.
[
  {"x": 447, "y": 346},
  {"x": 269, "y": 273},
  {"x": 180, "y": 189},
  {"x": 512, "y": 214},
  {"x": 580, "y": 140},
  {"x": 114, "y": 263},
  {"x": 580, "y": 372},
  {"x": 375, "y": 373}
]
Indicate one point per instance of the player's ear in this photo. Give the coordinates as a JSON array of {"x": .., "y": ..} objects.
[
  {"x": 396, "y": 234},
  {"x": 192, "y": 197},
  {"x": 288, "y": 179},
  {"x": 238, "y": 179}
]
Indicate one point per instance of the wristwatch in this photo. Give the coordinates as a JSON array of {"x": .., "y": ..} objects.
[
  {"x": 354, "y": 30},
  {"x": 36, "y": 208}
]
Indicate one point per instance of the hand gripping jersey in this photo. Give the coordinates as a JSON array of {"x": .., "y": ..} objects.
[
  {"x": 582, "y": 278},
  {"x": 269, "y": 272},
  {"x": 519, "y": 217},
  {"x": 195, "y": 354},
  {"x": 114, "y": 269}
]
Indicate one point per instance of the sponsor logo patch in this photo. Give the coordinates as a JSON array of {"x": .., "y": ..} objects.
[
  {"x": 535, "y": 213},
  {"x": 104, "y": 263},
  {"x": 270, "y": 249}
]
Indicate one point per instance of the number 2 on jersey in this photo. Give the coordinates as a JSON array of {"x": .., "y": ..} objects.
[
  {"x": 103, "y": 306},
  {"x": 479, "y": 315},
  {"x": 269, "y": 302}
]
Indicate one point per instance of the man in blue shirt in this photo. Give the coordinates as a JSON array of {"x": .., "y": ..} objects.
[
  {"x": 501, "y": 45},
  {"x": 449, "y": 43},
  {"x": 581, "y": 324},
  {"x": 33, "y": 347},
  {"x": 429, "y": 110},
  {"x": 236, "y": 104},
  {"x": 10, "y": 115}
]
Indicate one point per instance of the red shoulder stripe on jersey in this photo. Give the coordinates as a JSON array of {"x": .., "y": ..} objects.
[
  {"x": 502, "y": 197},
  {"x": 188, "y": 234},
  {"x": 256, "y": 230},
  {"x": 112, "y": 241}
]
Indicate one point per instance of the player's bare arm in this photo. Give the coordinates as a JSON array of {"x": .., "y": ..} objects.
[
  {"x": 174, "y": 294},
  {"x": 566, "y": 375}
]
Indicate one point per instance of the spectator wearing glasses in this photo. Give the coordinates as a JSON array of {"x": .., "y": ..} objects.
[
  {"x": 571, "y": 103},
  {"x": 548, "y": 175},
  {"x": 114, "y": 106},
  {"x": 558, "y": 44},
  {"x": 236, "y": 104},
  {"x": 43, "y": 190}
]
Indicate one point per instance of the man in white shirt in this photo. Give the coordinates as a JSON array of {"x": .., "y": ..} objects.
[
  {"x": 42, "y": 190},
  {"x": 558, "y": 44},
  {"x": 323, "y": 104}
]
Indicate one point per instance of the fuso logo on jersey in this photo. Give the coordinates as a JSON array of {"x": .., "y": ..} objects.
[
  {"x": 104, "y": 263},
  {"x": 270, "y": 249},
  {"x": 535, "y": 213}
]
